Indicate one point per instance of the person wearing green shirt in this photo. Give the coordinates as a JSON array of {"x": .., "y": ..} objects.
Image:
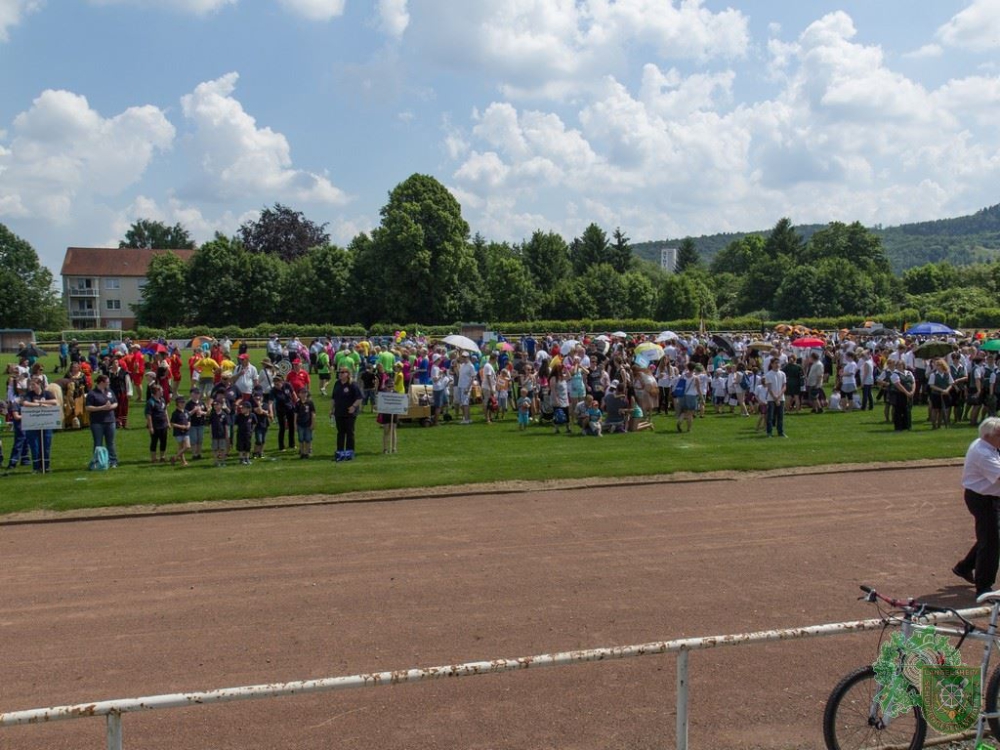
[
  {"x": 387, "y": 358},
  {"x": 323, "y": 369},
  {"x": 349, "y": 360}
]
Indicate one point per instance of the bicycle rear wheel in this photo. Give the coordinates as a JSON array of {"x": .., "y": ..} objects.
[{"x": 853, "y": 721}]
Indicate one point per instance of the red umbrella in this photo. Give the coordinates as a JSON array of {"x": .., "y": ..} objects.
[
  {"x": 160, "y": 348},
  {"x": 809, "y": 342}
]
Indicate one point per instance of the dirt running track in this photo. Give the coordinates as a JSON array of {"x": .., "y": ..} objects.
[{"x": 122, "y": 608}]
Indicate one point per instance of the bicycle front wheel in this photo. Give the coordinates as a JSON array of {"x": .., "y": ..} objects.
[{"x": 853, "y": 720}]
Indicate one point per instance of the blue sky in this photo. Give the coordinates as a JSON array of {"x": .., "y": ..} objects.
[{"x": 663, "y": 117}]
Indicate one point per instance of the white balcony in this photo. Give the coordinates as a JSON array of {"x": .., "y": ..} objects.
[{"x": 82, "y": 292}]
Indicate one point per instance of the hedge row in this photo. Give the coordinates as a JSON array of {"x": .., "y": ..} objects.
[{"x": 986, "y": 318}]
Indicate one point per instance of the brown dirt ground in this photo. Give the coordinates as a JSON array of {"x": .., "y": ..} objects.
[{"x": 115, "y": 607}]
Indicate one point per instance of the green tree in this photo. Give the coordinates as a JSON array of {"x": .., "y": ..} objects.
[
  {"x": 760, "y": 283},
  {"x": 155, "y": 235},
  {"x": 422, "y": 249},
  {"x": 640, "y": 295},
  {"x": 684, "y": 296},
  {"x": 164, "y": 299},
  {"x": 511, "y": 291},
  {"x": 27, "y": 299},
  {"x": 852, "y": 243},
  {"x": 726, "y": 287},
  {"x": 833, "y": 287},
  {"x": 620, "y": 251},
  {"x": 317, "y": 288},
  {"x": 930, "y": 277},
  {"x": 606, "y": 287},
  {"x": 687, "y": 256},
  {"x": 282, "y": 232},
  {"x": 784, "y": 240},
  {"x": 368, "y": 301},
  {"x": 590, "y": 249},
  {"x": 546, "y": 257},
  {"x": 739, "y": 255},
  {"x": 262, "y": 279},
  {"x": 213, "y": 282}
]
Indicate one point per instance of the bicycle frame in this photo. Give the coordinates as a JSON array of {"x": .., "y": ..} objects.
[{"x": 988, "y": 637}]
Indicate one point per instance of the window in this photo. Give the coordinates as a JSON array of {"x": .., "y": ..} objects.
[
  {"x": 115, "y": 324},
  {"x": 114, "y": 304},
  {"x": 112, "y": 283}
]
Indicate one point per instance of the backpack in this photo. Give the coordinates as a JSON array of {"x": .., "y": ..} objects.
[
  {"x": 745, "y": 383},
  {"x": 680, "y": 388},
  {"x": 100, "y": 461}
]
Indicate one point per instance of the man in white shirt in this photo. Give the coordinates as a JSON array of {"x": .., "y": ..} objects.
[
  {"x": 466, "y": 377},
  {"x": 981, "y": 482},
  {"x": 245, "y": 377},
  {"x": 867, "y": 368},
  {"x": 775, "y": 382},
  {"x": 488, "y": 383}
]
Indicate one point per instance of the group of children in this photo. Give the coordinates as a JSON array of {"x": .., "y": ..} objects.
[{"x": 232, "y": 420}]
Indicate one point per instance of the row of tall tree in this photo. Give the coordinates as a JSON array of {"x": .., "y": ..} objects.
[{"x": 421, "y": 264}]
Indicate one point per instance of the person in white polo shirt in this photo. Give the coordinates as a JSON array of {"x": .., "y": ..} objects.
[
  {"x": 981, "y": 482},
  {"x": 774, "y": 382}
]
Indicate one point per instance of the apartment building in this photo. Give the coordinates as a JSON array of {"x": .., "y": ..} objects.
[{"x": 102, "y": 285}]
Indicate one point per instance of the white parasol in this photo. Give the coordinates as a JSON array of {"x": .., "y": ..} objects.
[{"x": 461, "y": 342}]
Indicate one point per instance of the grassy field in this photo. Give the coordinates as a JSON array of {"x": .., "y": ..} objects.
[{"x": 455, "y": 454}]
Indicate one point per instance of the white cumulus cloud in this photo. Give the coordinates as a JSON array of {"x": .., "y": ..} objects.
[
  {"x": 238, "y": 159},
  {"x": 393, "y": 16},
  {"x": 61, "y": 148},
  {"x": 11, "y": 13},
  {"x": 976, "y": 28},
  {"x": 555, "y": 48},
  {"x": 844, "y": 136},
  {"x": 197, "y": 7},
  {"x": 315, "y": 10}
]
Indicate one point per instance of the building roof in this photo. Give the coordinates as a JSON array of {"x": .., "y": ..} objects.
[{"x": 112, "y": 261}]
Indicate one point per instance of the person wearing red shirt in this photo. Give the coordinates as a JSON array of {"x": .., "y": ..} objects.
[
  {"x": 135, "y": 364},
  {"x": 297, "y": 377},
  {"x": 176, "y": 364}
]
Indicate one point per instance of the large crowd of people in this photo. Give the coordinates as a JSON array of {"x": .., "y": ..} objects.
[{"x": 592, "y": 385}]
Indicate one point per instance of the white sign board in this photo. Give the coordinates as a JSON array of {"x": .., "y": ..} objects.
[
  {"x": 392, "y": 403},
  {"x": 41, "y": 418}
]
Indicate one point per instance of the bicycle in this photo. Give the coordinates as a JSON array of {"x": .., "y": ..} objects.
[{"x": 854, "y": 719}]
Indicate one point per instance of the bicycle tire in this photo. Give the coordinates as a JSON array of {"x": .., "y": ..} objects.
[
  {"x": 992, "y": 690},
  {"x": 847, "y": 721}
]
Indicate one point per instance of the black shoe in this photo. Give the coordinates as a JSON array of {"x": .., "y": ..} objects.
[{"x": 964, "y": 575}]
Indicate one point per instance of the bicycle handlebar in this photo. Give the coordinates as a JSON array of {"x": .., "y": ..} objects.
[{"x": 910, "y": 606}]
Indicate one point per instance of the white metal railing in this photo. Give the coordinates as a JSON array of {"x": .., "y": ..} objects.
[{"x": 113, "y": 709}]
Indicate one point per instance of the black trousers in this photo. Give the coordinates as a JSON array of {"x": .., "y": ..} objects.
[
  {"x": 286, "y": 421},
  {"x": 983, "y": 558},
  {"x": 901, "y": 412},
  {"x": 345, "y": 432}
]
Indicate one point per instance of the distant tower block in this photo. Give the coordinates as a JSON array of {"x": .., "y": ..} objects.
[{"x": 668, "y": 258}]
